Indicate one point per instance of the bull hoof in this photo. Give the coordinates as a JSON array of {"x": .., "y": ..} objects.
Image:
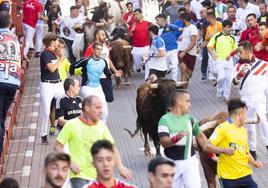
[{"x": 127, "y": 84}]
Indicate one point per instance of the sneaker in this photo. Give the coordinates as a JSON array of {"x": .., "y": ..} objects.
[
  {"x": 138, "y": 70},
  {"x": 37, "y": 55},
  {"x": 45, "y": 140},
  {"x": 204, "y": 76},
  {"x": 253, "y": 154},
  {"x": 52, "y": 130},
  {"x": 219, "y": 95}
]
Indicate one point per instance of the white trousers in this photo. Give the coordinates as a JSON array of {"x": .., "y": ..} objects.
[
  {"x": 138, "y": 54},
  {"x": 223, "y": 73},
  {"x": 187, "y": 173},
  {"x": 39, "y": 31},
  {"x": 48, "y": 91},
  {"x": 96, "y": 91},
  {"x": 29, "y": 34},
  {"x": 172, "y": 59},
  {"x": 256, "y": 105}
]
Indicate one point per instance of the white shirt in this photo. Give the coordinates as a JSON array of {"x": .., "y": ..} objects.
[
  {"x": 242, "y": 13},
  {"x": 255, "y": 83},
  {"x": 157, "y": 63},
  {"x": 67, "y": 25},
  {"x": 196, "y": 7},
  {"x": 186, "y": 36}
]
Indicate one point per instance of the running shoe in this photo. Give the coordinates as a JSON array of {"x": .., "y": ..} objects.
[
  {"x": 45, "y": 140},
  {"x": 52, "y": 130}
]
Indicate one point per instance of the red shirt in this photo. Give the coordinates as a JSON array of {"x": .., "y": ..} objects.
[
  {"x": 89, "y": 51},
  {"x": 117, "y": 184},
  {"x": 262, "y": 54},
  {"x": 31, "y": 8},
  {"x": 140, "y": 35},
  {"x": 248, "y": 33},
  {"x": 129, "y": 18}
]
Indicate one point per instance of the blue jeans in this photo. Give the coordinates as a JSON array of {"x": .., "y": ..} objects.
[
  {"x": 244, "y": 182},
  {"x": 78, "y": 182}
]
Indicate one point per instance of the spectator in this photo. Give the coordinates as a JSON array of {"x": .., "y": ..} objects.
[
  {"x": 175, "y": 136},
  {"x": 188, "y": 51},
  {"x": 220, "y": 47},
  {"x": 246, "y": 8},
  {"x": 256, "y": 40},
  {"x": 252, "y": 91},
  {"x": 220, "y": 8},
  {"x": 69, "y": 106},
  {"x": 10, "y": 71},
  {"x": 80, "y": 133},
  {"x": 100, "y": 15},
  {"x": 129, "y": 17},
  {"x": 237, "y": 24},
  {"x": 264, "y": 13},
  {"x": 51, "y": 85},
  {"x": 4, "y": 5},
  {"x": 202, "y": 25},
  {"x": 56, "y": 169},
  {"x": 172, "y": 11},
  {"x": 82, "y": 9},
  {"x": 54, "y": 12},
  {"x": 32, "y": 11},
  {"x": 196, "y": 6},
  {"x": 137, "y": 4},
  {"x": 186, "y": 5},
  {"x": 161, "y": 172},
  {"x": 9, "y": 183},
  {"x": 233, "y": 166},
  {"x": 140, "y": 39},
  {"x": 104, "y": 160},
  {"x": 170, "y": 34},
  {"x": 252, "y": 29},
  {"x": 67, "y": 29},
  {"x": 156, "y": 63}
]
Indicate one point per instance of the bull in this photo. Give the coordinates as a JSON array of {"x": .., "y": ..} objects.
[
  {"x": 152, "y": 103},
  {"x": 120, "y": 53}
]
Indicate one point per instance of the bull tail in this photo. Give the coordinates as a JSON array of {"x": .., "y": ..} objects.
[{"x": 133, "y": 134}]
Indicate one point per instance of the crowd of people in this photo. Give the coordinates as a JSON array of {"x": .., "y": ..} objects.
[{"x": 228, "y": 38}]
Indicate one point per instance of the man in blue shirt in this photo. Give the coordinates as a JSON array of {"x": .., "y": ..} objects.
[
  {"x": 156, "y": 64},
  {"x": 170, "y": 33}
]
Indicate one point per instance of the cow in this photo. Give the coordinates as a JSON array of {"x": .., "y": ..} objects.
[
  {"x": 120, "y": 53},
  {"x": 207, "y": 126},
  {"x": 152, "y": 103}
]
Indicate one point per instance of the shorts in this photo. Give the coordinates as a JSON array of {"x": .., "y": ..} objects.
[
  {"x": 188, "y": 60},
  {"x": 158, "y": 73},
  {"x": 244, "y": 182}
]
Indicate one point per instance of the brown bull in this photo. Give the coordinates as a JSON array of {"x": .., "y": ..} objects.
[
  {"x": 152, "y": 103},
  {"x": 208, "y": 125},
  {"x": 121, "y": 57}
]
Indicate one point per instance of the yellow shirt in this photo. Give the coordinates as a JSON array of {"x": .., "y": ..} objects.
[
  {"x": 224, "y": 45},
  {"x": 234, "y": 166},
  {"x": 80, "y": 138},
  {"x": 64, "y": 67},
  {"x": 212, "y": 30}
]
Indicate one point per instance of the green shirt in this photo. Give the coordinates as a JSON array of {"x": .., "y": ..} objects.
[
  {"x": 170, "y": 125},
  {"x": 80, "y": 138},
  {"x": 223, "y": 44}
]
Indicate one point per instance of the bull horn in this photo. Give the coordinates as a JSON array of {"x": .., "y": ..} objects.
[
  {"x": 127, "y": 46},
  {"x": 208, "y": 125},
  {"x": 179, "y": 84},
  {"x": 154, "y": 86},
  {"x": 253, "y": 121}
]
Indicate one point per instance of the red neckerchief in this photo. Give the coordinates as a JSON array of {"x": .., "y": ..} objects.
[
  {"x": 85, "y": 121},
  {"x": 48, "y": 49}
]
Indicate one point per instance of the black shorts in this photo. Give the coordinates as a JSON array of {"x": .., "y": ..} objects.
[
  {"x": 244, "y": 182},
  {"x": 188, "y": 60},
  {"x": 158, "y": 73}
]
